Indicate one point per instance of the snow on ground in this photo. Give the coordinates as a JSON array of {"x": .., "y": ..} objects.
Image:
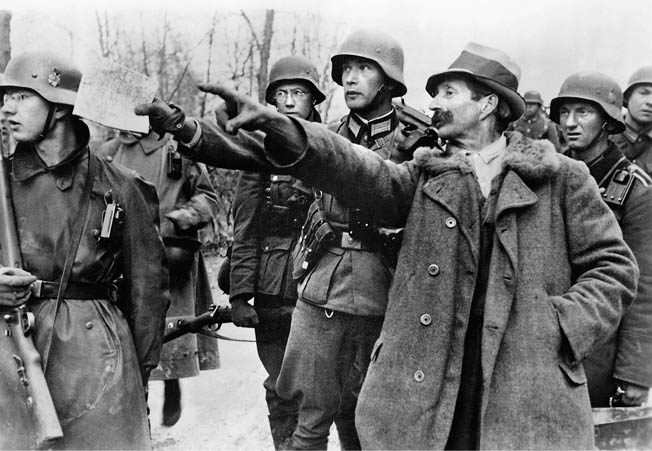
[{"x": 223, "y": 409}]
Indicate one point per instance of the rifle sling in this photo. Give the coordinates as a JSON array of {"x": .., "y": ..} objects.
[{"x": 75, "y": 238}]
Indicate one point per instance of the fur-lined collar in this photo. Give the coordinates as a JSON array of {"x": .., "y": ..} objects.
[{"x": 533, "y": 160}]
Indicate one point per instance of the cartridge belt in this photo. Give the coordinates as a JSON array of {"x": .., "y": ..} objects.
[{"x": 44, "y": 289}]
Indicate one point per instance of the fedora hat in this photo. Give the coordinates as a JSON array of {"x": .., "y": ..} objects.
[{"x": 490, "y": 67}]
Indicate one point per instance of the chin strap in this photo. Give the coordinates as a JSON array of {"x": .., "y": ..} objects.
[
  {"x": 598, "y": 136},
  {"x": 47, "y": 126}
]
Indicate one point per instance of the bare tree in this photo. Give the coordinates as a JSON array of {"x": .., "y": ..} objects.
[{"x": 263, "y": 47}]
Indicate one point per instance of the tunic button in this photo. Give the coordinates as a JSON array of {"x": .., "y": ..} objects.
[
  {"x": 109, "y": 158},
  {"x": 274, "y": 178},
  {"x": 426, "y": 319},
  {"x": 266, "y": 248},
  {"x": 451, "y": 222},
  {"x": 419, "y": 376},
  {"x": 433, "y": 269},
  {"x": 89, "y": 325}
]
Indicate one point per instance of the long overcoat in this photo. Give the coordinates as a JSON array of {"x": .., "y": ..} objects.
[
  {"x": 189, "y": 190},
  {"x": 95, "y": 351},
  {"x": 559, "y": 274}
]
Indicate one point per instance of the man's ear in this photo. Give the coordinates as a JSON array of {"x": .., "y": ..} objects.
[
  {"x": 61, "y": 111},
  {"x": 489, "y": 105}
]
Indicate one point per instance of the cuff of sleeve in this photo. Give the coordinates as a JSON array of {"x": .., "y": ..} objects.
[
  {"x": 633, "y": 363},
  {"x": 195, "y": 138}
]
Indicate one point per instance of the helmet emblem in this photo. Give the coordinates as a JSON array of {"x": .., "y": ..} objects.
[
  {"x": 54, "y": 78},
  {"x": 612, "y": 96}
]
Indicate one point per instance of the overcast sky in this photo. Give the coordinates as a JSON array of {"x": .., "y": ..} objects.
[{"x": 548, "y": 39}]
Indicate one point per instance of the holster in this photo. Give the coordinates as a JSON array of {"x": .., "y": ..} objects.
[{"x": 316, "y": 235}]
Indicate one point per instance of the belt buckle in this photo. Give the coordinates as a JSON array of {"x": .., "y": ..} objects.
[
  {"x": 35, "y": 288},
  {"x": 348, "y": 242}
]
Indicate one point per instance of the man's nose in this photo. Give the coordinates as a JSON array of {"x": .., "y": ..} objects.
[
  {"x": 435, "y": 104},
  {"x": 570, "y": 121},
  {"x": 350, "y": 77}
]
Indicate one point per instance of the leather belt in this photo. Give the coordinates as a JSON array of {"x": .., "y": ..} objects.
[
  {"x": 346, "y": 241},
  {"x": 75, "y": 290}
]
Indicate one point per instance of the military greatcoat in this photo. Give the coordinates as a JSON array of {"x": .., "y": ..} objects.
[
  {"x": 185, "y": 187},
  {"x": 97, "y": 349}
]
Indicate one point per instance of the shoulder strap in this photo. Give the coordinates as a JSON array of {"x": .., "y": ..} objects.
[{"x": 75, "y": 238}]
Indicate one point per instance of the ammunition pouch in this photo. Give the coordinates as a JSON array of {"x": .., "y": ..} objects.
[
  {"x": 316, "y": 236},
  {"x": 286, "y": 206}
]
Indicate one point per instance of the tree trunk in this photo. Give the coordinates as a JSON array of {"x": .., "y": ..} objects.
[
  {"x": 5, "y": 43},
  {"x": 264, "y": 54}
]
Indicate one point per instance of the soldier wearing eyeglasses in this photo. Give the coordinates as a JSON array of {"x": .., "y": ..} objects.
[{"x": 269, "y": 210}]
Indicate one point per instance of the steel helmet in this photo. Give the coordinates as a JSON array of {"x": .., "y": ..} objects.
[
  {"x": 375, "y": 46},
  {"x": 641, "y": 76},
  {"x": 533, "y": 97},
  {"x": 594, "y": 87},
  {"x": 293, "y": 68},
  {"x": 53, "y": 77}
]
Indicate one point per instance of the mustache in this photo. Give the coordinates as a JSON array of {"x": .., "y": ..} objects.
[{"x": 441, "y": 117}]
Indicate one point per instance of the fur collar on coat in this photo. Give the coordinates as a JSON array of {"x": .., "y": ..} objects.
[{"x": 534, "y": 161}]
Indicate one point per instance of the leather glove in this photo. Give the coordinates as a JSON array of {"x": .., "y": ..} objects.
[
  {"x": 163, "y": 118},
  {"x": 15, "y": 286},
  {"x": 243, "y": 314}
]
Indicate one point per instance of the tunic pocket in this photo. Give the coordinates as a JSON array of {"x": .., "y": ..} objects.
[{"x": 316, "y": 286}]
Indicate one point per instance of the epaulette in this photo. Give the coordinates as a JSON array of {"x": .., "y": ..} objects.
[{"x": 620, "y": 184}]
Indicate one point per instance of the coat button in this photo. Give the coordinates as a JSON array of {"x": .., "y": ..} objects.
[
  {"x": 274, "y": 178},
  {"x": 89, "y": 325},
  {"x": 419, "y": 376},
  {"x": 109, "y": 158},
  {"x": 451, "y": 222},
  {"x": 433, "y": 269},
  {"x": 426, "y": 319}
]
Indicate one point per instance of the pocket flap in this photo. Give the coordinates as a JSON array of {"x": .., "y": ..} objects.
[{"x": 574, "y": 373}]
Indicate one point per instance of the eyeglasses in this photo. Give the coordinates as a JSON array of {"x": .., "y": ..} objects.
[
  {"x": 16, "y": 96},
  {"x": 297, "y": 94}
]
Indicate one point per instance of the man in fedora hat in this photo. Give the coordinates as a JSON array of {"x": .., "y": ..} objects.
[{"x": 510, "y": 271}]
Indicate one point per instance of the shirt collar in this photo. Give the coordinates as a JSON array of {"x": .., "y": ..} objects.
[
  {"x": 375, "y": 128},
  {"x": 493, "y": 150},
  {"x": 631, "y": 134},
  {"x": 148, "y": 143}
]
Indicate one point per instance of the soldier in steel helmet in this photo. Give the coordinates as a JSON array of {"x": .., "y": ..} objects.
[
  {"x": 511, "y": 269},
  {"x": 636, "y": 140},
  {"x": 588, "y": 109},
  {"x": 343, "y": 291},
  {"x": 534, "y": 123},
  {"x": 268, "y": 212},
  {"x": 188, "y": 203},
  {"x": 98, "y": 291}
]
